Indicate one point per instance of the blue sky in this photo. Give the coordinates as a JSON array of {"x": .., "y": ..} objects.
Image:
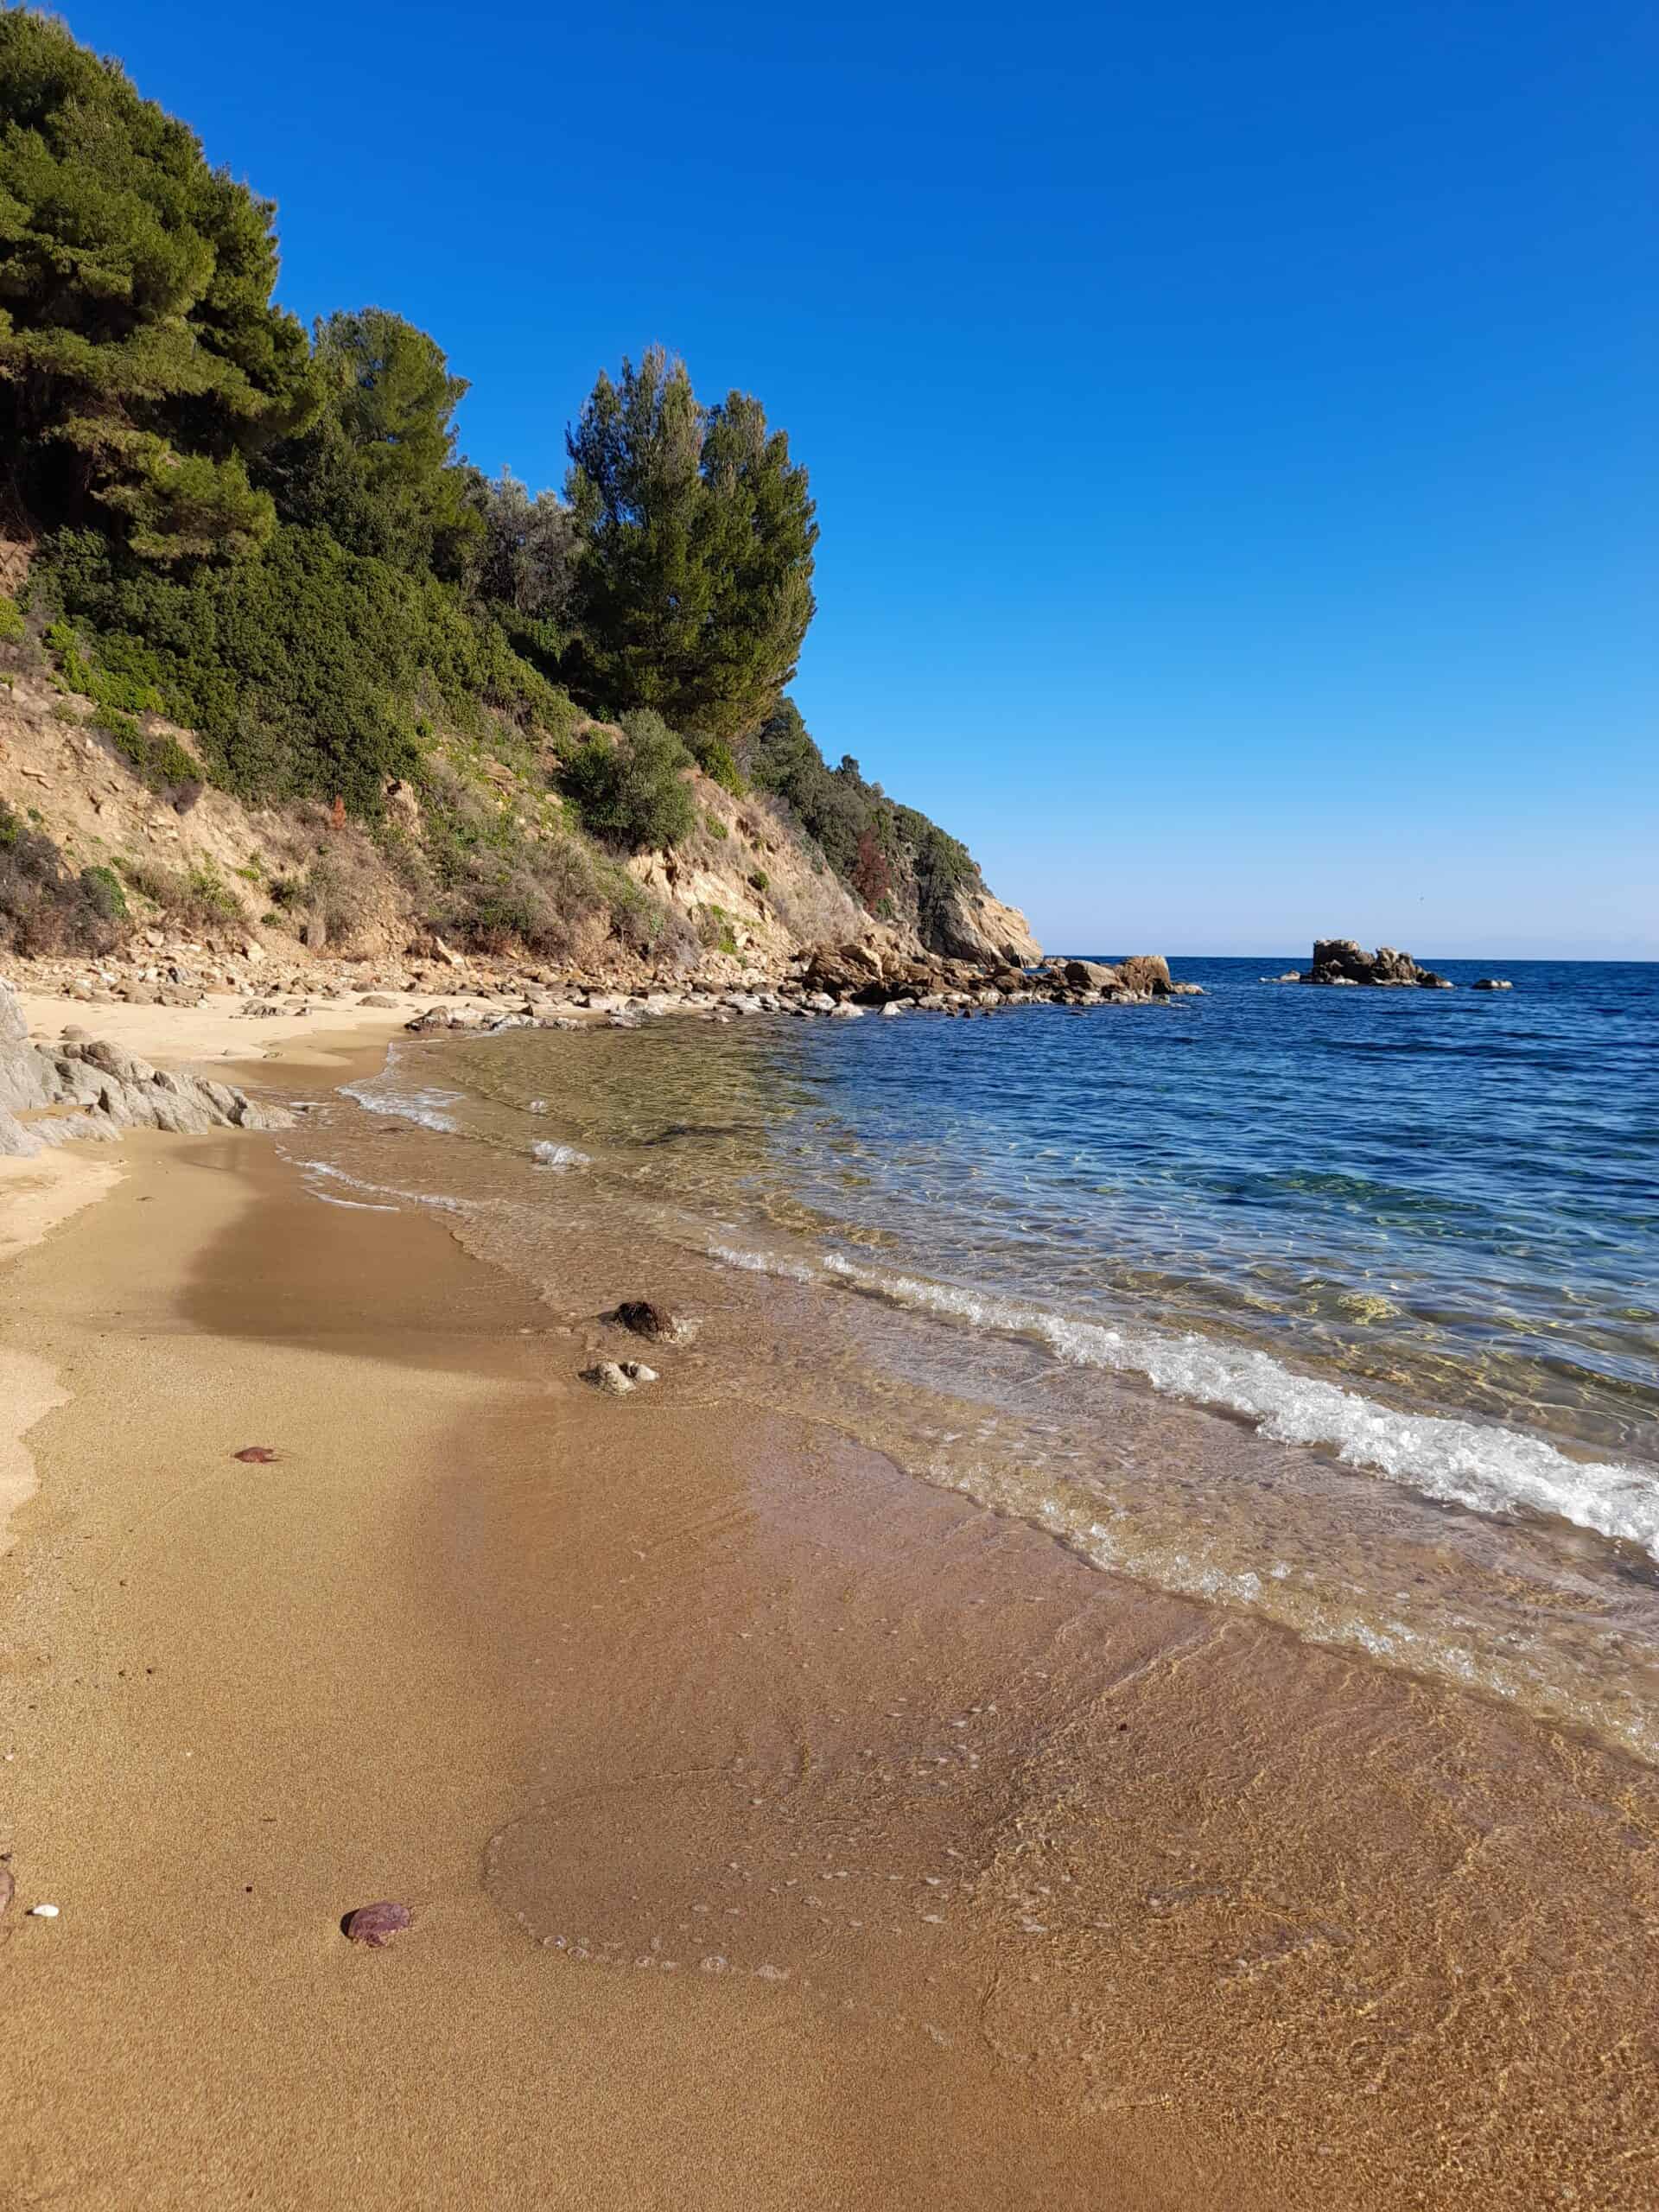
[{"x": 1232, "y": 427}]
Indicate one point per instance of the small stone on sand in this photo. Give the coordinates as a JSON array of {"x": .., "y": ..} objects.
[{"x": 376, "y": 1924}]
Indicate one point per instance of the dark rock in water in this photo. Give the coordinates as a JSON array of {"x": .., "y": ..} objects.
[
  {"x": 376, "y": 1924},
  {"x": 655, "y": 1323},
  {"x": 1492, "y": 983},
  {"x": 1340, "y": 960}
]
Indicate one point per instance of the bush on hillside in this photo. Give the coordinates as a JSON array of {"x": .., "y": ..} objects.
[
  {"x": 299, "y": 670},
  {"x": 45, "y": 907},
  {"x": 632, "y": 793}
]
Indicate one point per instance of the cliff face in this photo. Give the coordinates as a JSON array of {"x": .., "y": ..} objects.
[{"x": 745, "y": 891}]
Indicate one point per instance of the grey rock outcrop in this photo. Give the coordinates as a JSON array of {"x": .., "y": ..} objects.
[{"x": 108, "y": 1090}]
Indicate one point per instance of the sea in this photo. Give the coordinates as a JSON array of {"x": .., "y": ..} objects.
[{"x": 1334, "y": 1307}]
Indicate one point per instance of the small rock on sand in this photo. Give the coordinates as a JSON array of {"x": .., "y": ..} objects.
[
  {"x": 637, "y": 1371},
  {"x": 609, "y": 1377},
  {"x": 655, "y": 1323},
  {"x": 376, "y": 1924}
]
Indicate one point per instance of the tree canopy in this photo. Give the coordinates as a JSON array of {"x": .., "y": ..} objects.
[
  {"x": 141, "y": 361},
  {"x": 695, "y": 537},
  {"x": 275, "y": 537}
]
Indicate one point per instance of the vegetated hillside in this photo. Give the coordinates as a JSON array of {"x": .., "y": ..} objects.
[{"x": 274, "y": 652}]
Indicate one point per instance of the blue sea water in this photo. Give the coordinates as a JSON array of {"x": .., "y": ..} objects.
[
  {"x": 1338, "y": 1304},
  {"x": 1454, "y": 1194}
]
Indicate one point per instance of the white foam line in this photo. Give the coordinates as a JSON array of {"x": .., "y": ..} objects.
[
  {"x": 1489, "y": 1469},
  {"x": 559, "y": 1155}
]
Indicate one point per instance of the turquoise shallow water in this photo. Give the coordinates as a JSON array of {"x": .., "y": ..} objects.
[{"x": 1342, "y": 1306}]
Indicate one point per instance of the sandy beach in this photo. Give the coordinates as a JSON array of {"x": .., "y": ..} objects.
[{"x": 777, "y": 1830}]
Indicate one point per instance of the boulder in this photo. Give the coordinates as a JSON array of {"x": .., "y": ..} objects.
[
  {"x": 1493, "y": 983},
  {"x": 1091, "y": 975},
  {"x": 1145, "y": 973}
]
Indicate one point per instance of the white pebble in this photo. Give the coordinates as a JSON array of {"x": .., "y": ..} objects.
[{"x": 42, "y": 1912}]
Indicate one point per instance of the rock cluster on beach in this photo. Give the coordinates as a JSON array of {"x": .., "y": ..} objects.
[{"x": 83, "y": 1087}]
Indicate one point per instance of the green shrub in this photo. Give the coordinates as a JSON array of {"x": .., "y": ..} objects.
[
  {"x": 103, "y": 888},
  {"x": 301, "y": 669},
  {"x": 44, "y": 907},
  {"x": 759, "y": 880},
  {"x": 714, "y": 930},
  {"x": 632, "y": 793},
  {"x": 12, "y": 626},
  {"x": 162, "y": 761},
  {"x": 719, "y": 763},
  {"x": 715, "y": 827},
  {"x": 196, "y": 899}
]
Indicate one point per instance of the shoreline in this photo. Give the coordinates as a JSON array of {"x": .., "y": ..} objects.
[{"x": 470, "y": 1596}]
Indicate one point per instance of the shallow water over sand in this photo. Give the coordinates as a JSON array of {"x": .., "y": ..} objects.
[{"x": 892, "y": 1245}]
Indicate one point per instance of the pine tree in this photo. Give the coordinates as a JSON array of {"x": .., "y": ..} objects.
[
  {"x": 141, "y": 359},
  {"x": 695, "y": 534}
]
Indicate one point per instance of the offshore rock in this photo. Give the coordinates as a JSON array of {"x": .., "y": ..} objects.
[
  {"x": 1340, "y": 960},
  {"x": 1146, "y": 973},
  {"x": 1091, "y": 975}
]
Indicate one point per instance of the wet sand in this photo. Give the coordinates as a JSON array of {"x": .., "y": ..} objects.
[{"x": 778, "y": 1831}]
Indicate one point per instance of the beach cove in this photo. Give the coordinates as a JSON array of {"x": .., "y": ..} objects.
[{"x": 776, "y": 1827}]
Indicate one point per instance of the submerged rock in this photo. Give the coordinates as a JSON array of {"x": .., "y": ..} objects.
[
  {"x": 1492, "y": 983},
  {"x": 641, "y": 1318}
]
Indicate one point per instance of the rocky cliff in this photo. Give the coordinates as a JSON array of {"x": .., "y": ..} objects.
[{"x": 111, "y": 834}]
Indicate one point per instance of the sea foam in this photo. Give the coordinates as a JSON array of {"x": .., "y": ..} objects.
[
  {"x": 558, "y": 1155},
  {"x": 1489, "y": 1468}
]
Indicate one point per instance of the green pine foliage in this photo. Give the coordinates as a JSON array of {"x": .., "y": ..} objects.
[
  {"x": 868, "y": 838},
  {"x": 695, "y": 535},
  {"x": 141, "y": 358}
]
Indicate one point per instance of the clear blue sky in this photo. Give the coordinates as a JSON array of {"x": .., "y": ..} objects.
[{"x": 1233, "y": 427}]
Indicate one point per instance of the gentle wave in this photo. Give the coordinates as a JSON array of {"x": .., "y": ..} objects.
[
  {"x": 376, "y": 1190},
  {"x": 381, "y": 1094},
  {"x": 559, "y": 1155},
  {"x": 1491, "y": 1470}
]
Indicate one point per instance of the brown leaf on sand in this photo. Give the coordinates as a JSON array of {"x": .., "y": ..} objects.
[
  {"x": 260, "y": 1455},
  {"x": 376, "y": 1924}
]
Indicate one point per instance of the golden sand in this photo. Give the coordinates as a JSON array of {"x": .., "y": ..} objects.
[{"x": 778, "y": 1831}]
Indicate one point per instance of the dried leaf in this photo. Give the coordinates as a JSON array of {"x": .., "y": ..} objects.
[{"x": 259, "y": 1455}]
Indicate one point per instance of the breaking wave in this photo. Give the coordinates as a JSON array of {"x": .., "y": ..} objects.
[{"x": 1489, "y": 1469}]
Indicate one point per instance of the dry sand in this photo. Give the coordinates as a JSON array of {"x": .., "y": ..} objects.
[{"x": 1028, "y": 1888}]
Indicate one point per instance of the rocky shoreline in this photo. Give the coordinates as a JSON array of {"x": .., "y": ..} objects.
[{"x": 482, "y": 993}]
